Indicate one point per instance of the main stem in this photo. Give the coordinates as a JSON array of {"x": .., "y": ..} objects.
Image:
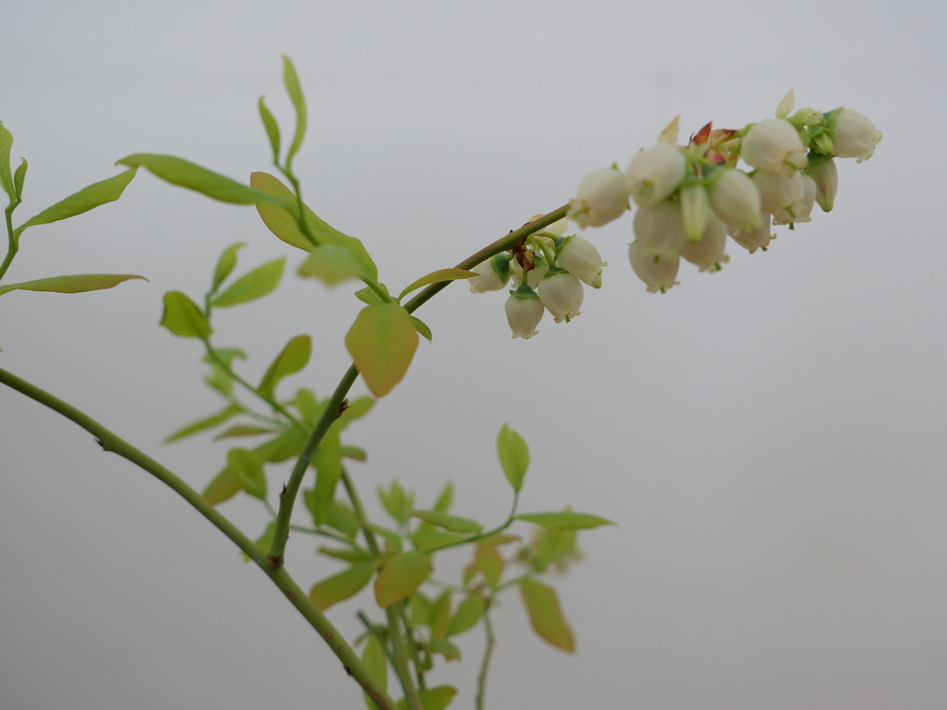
[{"x": 279, "y": 576}]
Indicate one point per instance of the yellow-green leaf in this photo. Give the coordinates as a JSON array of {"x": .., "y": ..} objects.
[
  {"x": 565, "y": 520},
  {"x": 440, "y": 615},
  {"x": 432, "y": 698},
  {"x": 272, "y": 128},
  {"x": 514, "y": 456},
  {"x": 373, "y": 657},
  {"x": 191, "y": 176},
  {"x": 436, "y": 277},
  {"x": 252, "y": 285},
  {"x": 545, "y": 614},
  {"x": 225, "y": 265},
  {"x": 248, "y": 467},
  {"x": 382, "y": 342},
  {"x": 183, "y": 317},
  {"x": 224, "y": 486},
  {"x": 78, "y": 283},
  {"x": 455, "y": 523},
  {"x": 293, "y": 88},
  {"x": 292, "y": 358},
  {"x": 490, "y": 562},
  {"x": 400, "y": 575},
  {"x": 467, "y": 615},
  {"x": 423, "y": 328},
  {"x": 448, "y": 650},
  {"x": 206, "y": 423},
  {"x": 343, "y": 585},
  {"x": 87, "y": 198},
  {"x": 6, "y": 178},
  {"x": 331, "y": 264}
]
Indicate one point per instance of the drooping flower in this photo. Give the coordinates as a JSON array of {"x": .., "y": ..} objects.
[
  {"x": 855, "y": 136},
  {"x": 601, "y": 198},
  {"x": 825, "y": 175},
  {"x": 707, "y": 252},
  {"x": 659, "y": 229},
  {"x": 735, "y": 199},
  {"x": 781, "y": 195},
  {"x": 773, "y": 144},
  {"x": 654, "y": 173},
  {"x": 492, "y": 274},
  {"x": 524, "y": 310},
  {"x": 580, "y": 257},
  {"x": 561, "y": 294},
  {"x": 756, "y": 238},
  {"x": 658, "y": 271}
]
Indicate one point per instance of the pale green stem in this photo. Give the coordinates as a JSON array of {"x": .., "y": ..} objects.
[
  {"x": 280, "y": 577},
  {"x": 485, "y": 663},
  {"x": 13, "y": 239},
  {"x": 400, "y": 653}
]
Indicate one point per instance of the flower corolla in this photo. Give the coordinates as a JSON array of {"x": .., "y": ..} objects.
[
  {"x": 654, "y": 173},
  {"x": 561, "y": 294},
  {"x": 601, "y": 198},
  {"x": 579, "y": 256},
  {"x": 523, "y": 313},
  {"x": 658, "y": 271},
  {"x": 773, "y": 144},
  {"x": 735, "y": 199},
  {"x": 855, "y": 135}
]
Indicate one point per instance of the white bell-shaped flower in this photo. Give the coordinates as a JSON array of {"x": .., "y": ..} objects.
[
  {"x": 855, "y": 135},
  {"x": 654, "y": 173},
  {"x": 658, "y": 271},
  {"x": 707, "y": 254},
  {"x": 579, "y": 256},
  {"x": 773, "y": 144},
  {"x": 756, "y": 238},
  {"x": 825, "y": 175},
  {"x": 561, "y": 294},
  {"x": 488, "y": 279},
  {"x": 523, "y": 313},
  {"x": 659, "y": 229},
  {"x": 783, "y": 196},
  {"x": 601, "y": 198},
  {"x": 735, "y": 199}
]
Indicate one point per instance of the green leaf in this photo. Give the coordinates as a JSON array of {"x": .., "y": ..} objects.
[
  {"x": 238, "y": 430},
  {"x": 422, "y": 328},
  {"x": 448, "y": 650},
  {"x": 206, "y": 423},
  {"x": 382, "y": 342},
  {"x": 220, "y": 379},
  {"x": 309, "y": 407},
  {"x": 19, "y": 176},
  {"x": 432, "y": 698},
  {"x": 87, "y": 198},
  {"x": 545, "y": 614},
  {"x": 225, "y": 265},
  {"x": 440, "y": 615},
  {"x": 286, "y": 446},
  {"x": 183, "y": 317},
  {"x": 467, "y": 615},
  {"x": 191, "y": 176},
  {"x": 6, "y": 177},
  {"x": 78, "y": 283},
  {"x": 427, "y": 539},
  {"x": 265, "y": 541},
  {"x": 248, "y": 467},
  {"x": 347, "y": 554},
  {"x": 272, "y": 129},
  {"x": 282, "y": 222},
  {"x": 436, "y": 277},
  {"x": 342, "y": 519},
  {"x": 291, "y": 80},
  {"x": 253, "y": 285},
  {"x": 565, "y": 520},
  {"x": 454, "y": 523},
  {"x": 292, "y": 359},
  {"x": 514, "y": 456},
  {"x": 355, "y": 409},
  {"x": 400, "y": 575},
  {"x": 369, "y": 296},
  {"x": 490, "y": 563},
  {"x": 332, "y": 264},
  {"x": 224, "y": 486},
  {"x": 446, "y": 497},
  {"x": 396, "y": 501},
  {"x": 373, "y": 657},
  {"x": 328, "y": 462},
  {"x": 420, "y": 608},
  {"x": 343, "y": 585}
]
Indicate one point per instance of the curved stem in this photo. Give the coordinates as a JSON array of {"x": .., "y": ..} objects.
[
  {"x": 13, "y": 239},
  {"x": 485, "y": 663},
  {"x": 279, "y": 576}
]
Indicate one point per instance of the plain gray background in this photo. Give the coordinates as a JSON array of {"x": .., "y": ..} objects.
[{"x": 769, "y": 439}]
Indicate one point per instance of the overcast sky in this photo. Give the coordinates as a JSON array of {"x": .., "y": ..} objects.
[{"x": 769, "y": 439}]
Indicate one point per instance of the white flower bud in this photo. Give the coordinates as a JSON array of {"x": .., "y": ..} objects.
[
  {"x": 825, "y": 175},
  {"x": 735, "y": 200},
  {"x": 786, "y": 104},
  {"x": 659, "y": 229},
  {"x": 707, "y": 253},
  {"x": 488, "y": 279},
  {"x": 756, "y": 238},
  {"x": 654, "y": 173},
  {"x": 695, "y": 206},
  {"x": 601, "y": 198},
  {"x": 774, "y": 145},
  {"x": 658, "y": 271},
  {"x": 534, "y": 275},
  {"x": 579, "y": 256},
  {"x": 561, "y": 294},
  {"x": 782, "y": 196},
  {"x": 855, "y": 135},
  {"x": 809, "y": 190},
  {"x": 523, "y": 314}
]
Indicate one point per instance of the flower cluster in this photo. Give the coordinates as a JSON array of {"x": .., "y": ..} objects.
[{"x": 689, "y": 200}]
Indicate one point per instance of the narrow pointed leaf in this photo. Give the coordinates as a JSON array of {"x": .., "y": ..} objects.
[
  {"x": 328, "y": 462},
  {"x": 272, "y": 128},
  {"x": 440, "y": 615},
  {"x": 565, "y": 520},
  {"x": 19, "y": 176},
  {"x": 432, "y": 698},
  {"x": 369, "y": 295},
  {"x": 467, "y": 615},
  {"x": 448, "y": 650},
  {"x": 6, "y": 177},
  {"x": 293, "y": 358},
  {"x": 293, "y": 88},
  {"x": 253, "y": 285},
  {"x": 224, "y": 486},
  {"x": 436, "y": 277},
  {"x": 375, "y": 662},
  {"x": 248, "y": 468},
  {"x": 400, "y": 575},
  {"x": 87, "y": 198},
  {"x": 382, "y": 342},
  {"x": 454, "y": 523},
  {"x": 79, "y": 283},
  {"x": 490, "y": 563},
  {"x": 225, "y": 265},
  {"x": 205, "y": 423},
  {"x": 238, "y": 430},
  {"x": 191, "y": 176},
  {"x": 183, "y": 318},
  {"x": 343, "y": 585},
  {"x": 545, "y": 614},
  {"x": 427, "y": 539},
  {"x": 445, "y": 498},
  {"x": 422, "y": 328},
  {"x": 514, "y": 456}
]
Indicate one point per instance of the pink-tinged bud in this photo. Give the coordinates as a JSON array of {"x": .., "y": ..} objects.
[
  {"x": 695, "y": 207},
  {"x": 658, "y": 271},
  {"x": 774, "y": 145},
  {"x": 707, "y": 253},
  {"x": 601, "y": 198},
  {"x": 756, "y": 238},
  {"x": 654, "y": 173},
  {"x": 781, "y": 195},
  {"x": 579, "y": 256},
  {"x": 855, "y": 135},
  {"x": 488, "y": 279},
  {"x": 561, "y": 294},
  {"x": 523, "y": 314},
  {"x": 735, "y": 199},
  {"x": 659, "y": 229},
  {"x": 825, "y": 175}
]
